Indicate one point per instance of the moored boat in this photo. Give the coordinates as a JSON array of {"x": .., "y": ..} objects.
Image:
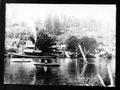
[
  {"x": 16, "y": 55},
  {"x": 20, "y": 60},
  {"x": 48, "y": 64},
  {"x": 30, "y": 52}
]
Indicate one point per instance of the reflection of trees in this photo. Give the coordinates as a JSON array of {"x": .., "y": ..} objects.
[
  {"x": 79, "y": 73},
  {"x": 72, "y": 70},
  {"x": 7, "y": 61},
  {"x": 90, "y": 70},
  {"x": 24, "y": 76},
  {"x": 83, "y": 69},
  {"x": 48, "y": 77},
  {"x": 80, "y": 65},
  {"x": 104, "y": 72},
  {"x": 18, "y": 74},
  {"x": 8, "y": 79}
]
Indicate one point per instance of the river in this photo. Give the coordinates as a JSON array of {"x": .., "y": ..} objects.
[{"x": 70, "y": 72}]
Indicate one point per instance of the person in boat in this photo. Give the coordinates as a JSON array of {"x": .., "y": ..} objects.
[{"x": 46, "y": 62}]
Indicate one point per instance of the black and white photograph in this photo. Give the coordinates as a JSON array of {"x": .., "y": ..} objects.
[{"x": 60, "y": 44}]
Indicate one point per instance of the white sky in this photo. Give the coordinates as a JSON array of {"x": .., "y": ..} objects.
[
  {"x": 32, "y": 12},
  {"x": 29, "y": 13}
]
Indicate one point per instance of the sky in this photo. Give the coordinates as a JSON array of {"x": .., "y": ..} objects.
[{"x": 29, "y": 13}]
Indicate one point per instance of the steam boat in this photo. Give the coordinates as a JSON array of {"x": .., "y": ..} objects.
[{"x": 31, "y": 52}]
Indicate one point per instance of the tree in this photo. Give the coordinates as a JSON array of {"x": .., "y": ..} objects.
[
  {"x": 44, "y": 42},
  {"x": 88, "y": 44},
  {"x": 72, "y": 43},
  {"x": 53, "y": 26},
  {"x": 17, "y": 35},
  {"x": 31, "y": 37}
]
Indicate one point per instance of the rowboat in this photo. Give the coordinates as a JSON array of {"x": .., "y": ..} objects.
[
  {"x": 48, "y": 64},
  {"x": 21, "y": 60}
]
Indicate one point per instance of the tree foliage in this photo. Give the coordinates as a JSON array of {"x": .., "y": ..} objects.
[
  {"x": 85, "y": 42},
  {"x": 17, "y": 36},
  {"x": 32, "y": 38},
  {"x": 44, "y": 42},
  {"x": 88, "y": 43},
  {"x": 53, "y": 26},
  {"x": 72, "y": 43}
]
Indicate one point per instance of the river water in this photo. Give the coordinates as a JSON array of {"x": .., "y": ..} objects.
[{"x": 70, "y": 72}]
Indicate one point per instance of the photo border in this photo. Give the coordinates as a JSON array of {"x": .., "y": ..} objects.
[{"x": 2, "y": 40}]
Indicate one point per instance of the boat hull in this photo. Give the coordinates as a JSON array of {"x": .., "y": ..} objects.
[
  {"x": 33, "y": 53},
  {"x": 14, "y": 55},
  {"x": 21, "y": 60},
  {"x": 48, "y": 64}
]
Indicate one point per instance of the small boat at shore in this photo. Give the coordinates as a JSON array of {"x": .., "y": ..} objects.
[{"x": 20, "y": 60}]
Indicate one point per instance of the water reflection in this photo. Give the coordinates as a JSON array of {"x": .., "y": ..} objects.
[
  {"x": 19, "y": 73},
  {"x": 48, "y": 77},
  {"x": 70, "y": 72},
  {"x": 90, "y": 70}
]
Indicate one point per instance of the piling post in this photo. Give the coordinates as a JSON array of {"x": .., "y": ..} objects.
[{"x": 84, "y": 58}]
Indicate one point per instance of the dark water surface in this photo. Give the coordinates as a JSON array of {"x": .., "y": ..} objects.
[{"x": 70, "y": 72}]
